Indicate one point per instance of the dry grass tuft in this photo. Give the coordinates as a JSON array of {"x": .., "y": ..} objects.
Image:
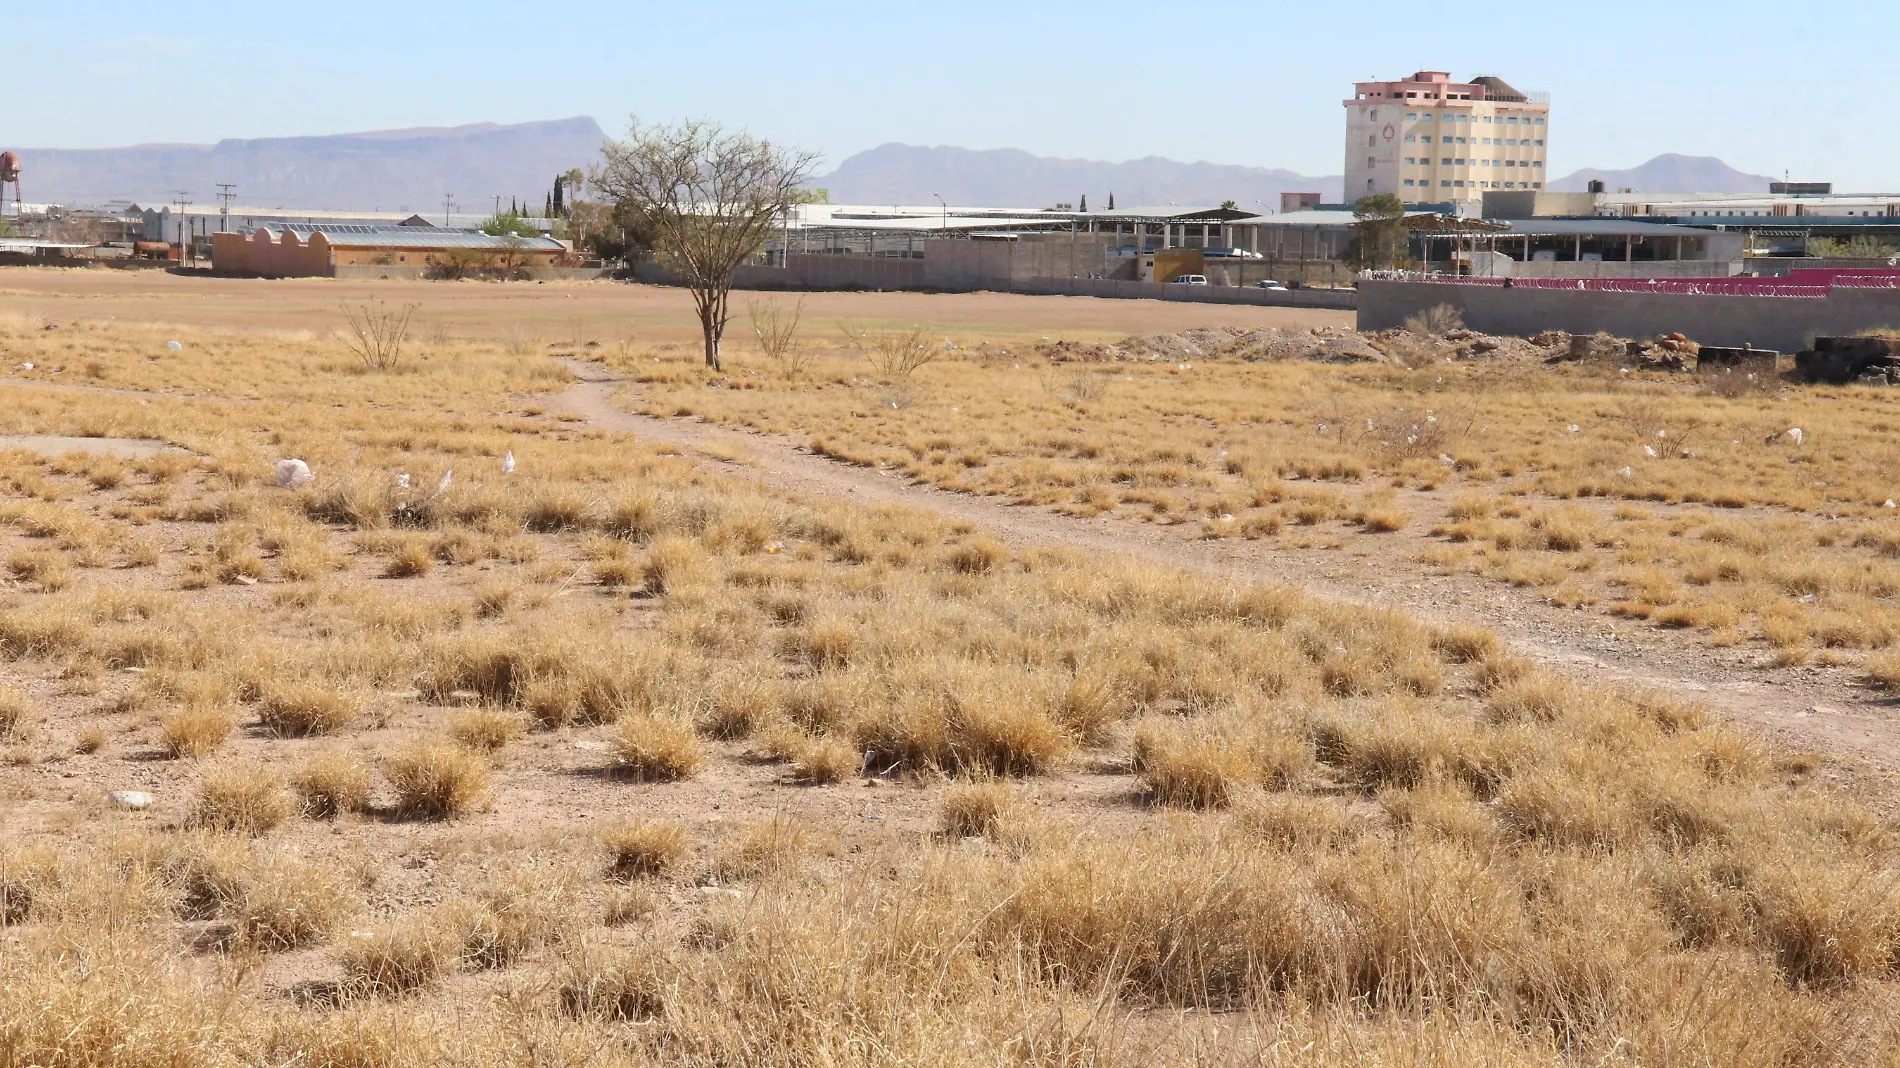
[
  {"x": 241, "y": 798},
  {"x": 196, "y": 730},
  {"x": 978, "y": 810},
  {"x": 331, "y": 784},
  {"x": 436, "y": 779},
  {"x": 304, "y": 709},
  {"x": 486, "y": 729},
  {"x": 399, "y": 957},
  {"x": 16, "y": 716},
  {"x": 657, "y": 748},
  {"x": 645, "y": 849}
]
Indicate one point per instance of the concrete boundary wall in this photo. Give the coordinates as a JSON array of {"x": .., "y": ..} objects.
[
  {"x": 1786, "y": 324},
  {"x": 862, "y": 272}
]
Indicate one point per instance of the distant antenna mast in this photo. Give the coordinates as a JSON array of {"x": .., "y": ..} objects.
[
  {"x": 448, "y": 205},
  {"x": 225, "y": 196}
]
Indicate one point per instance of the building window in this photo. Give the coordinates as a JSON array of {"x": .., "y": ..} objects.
[
  {"x": 1537, "y": 185},
  {"x": 1459, "y": 162},
  {"x": 1537, "y": 163},
  {"x": 1409, "y": 160},
  {"x": 1460, "y": 140},
  {"x": 1411, "y": 115},
  {"x": 1539, "y": 142},
  {"x": 1409, "y": 138},
  {"x": 1408, "y": 181},
  {"x": 1446, "y": 161},
  {"x": 1444, "y": 183},
  {"x": 1371, "y": 162},
  {"x": 1460, "y": 184},
  {"x": 1375, "y": 114},
  {"x": 1512, "y": 120},
  {"x": 1427, "y": 139},
  {"x": 1510, "y": 163},
  {"x": 1540, "y": 122}
]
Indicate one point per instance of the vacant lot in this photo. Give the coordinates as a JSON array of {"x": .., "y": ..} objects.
[
  {"x": 511, "y": 741},
  {"x": 1756, "y": 520}
]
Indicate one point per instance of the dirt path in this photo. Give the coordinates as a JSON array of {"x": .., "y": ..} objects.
[{"x": 1800, "y": 708}]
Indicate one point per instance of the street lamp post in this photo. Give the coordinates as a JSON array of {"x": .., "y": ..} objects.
[{"x": 946, "y": 211}]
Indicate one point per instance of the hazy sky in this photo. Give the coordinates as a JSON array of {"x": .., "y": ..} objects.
[{"x": 1766, "y": 86}]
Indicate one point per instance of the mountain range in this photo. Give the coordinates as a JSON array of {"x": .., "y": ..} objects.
[
  {"x": 1669, "y": 173},
  {"x": 412, "y": 169},
  {"x": 387, "y": 170},
  {"x": 1009, "y": 177}
]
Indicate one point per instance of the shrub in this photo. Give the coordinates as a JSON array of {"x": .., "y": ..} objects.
[
  {"x": 435, "y": 779},
  {"x": 1437, "y": 321}
]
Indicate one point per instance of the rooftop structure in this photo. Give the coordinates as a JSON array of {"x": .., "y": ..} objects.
[
  {"x": 1427, "y": 138},
  {"x": 318, "y": 251}
]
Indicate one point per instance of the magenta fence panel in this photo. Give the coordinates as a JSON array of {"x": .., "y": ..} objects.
[{"x": 1742, "y": 287}]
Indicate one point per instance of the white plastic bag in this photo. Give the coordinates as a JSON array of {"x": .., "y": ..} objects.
[{"x": 293, "y": 473}]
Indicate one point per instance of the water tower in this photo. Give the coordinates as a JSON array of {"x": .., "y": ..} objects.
[{"x": 10, "y": 175}]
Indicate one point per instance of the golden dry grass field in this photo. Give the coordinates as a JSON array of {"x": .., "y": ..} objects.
[
  {"x": 623, "y": 756},
  {"x": 1640, "y": 496}
]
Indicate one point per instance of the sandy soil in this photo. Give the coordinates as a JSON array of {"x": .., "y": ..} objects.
[
  {"x": 554, "y": 311},
  {"x": 1805, "y": 708}
]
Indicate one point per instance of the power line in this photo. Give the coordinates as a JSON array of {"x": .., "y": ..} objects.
[{"x": 224, "y": 209}]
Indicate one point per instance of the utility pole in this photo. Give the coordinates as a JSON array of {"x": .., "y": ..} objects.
[
  {"x": 184, "y": 245},
  {"x": 497, "y": 203},
  {"x": 448, "y": 205},
  {"x": 225, "y": 196}
]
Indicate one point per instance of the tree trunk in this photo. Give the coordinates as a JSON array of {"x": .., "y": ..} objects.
[{"x": 710, "y": 326}]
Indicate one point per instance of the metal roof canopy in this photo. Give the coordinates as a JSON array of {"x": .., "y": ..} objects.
[
  {"x": 1598, "y": 226},
  {"x": 347, "y": 236}
]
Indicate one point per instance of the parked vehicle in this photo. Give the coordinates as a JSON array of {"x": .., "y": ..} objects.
[
  {"x": 1270, "y": 284},
  {"x": 1190, "y": 279}
]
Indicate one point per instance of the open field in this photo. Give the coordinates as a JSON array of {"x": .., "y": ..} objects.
[
  {"x": 1642, "y": 497},
  {"x": 627, "y": 755}
]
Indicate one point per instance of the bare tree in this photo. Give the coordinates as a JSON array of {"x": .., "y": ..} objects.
[
  {"x": 708, "y": 197},
  {"x": 777, "y": 330},
  {"x": 376, "y": 334}
]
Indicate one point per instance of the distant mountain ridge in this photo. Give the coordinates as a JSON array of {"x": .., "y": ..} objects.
[
  {"x": 386, "y": 170},
  {"x": 897, "y": 173},
  {"x": 1669, "y": 173}
]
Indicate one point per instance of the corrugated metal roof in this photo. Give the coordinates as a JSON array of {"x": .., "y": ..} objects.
[
  {"x": 348, "y": 236},
  {"x": 1609, "y": 226}
]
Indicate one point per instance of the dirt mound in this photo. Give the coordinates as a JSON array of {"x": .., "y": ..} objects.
[
  {"x": 1322, "y": 344},
  {"x": 1319, "y": 344}
]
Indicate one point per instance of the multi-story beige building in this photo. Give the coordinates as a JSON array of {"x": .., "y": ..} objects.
[{"x": 1431, "y": 140}]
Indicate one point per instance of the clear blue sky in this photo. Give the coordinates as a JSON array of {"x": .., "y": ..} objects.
[{"x": 1766, "y": 86}]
